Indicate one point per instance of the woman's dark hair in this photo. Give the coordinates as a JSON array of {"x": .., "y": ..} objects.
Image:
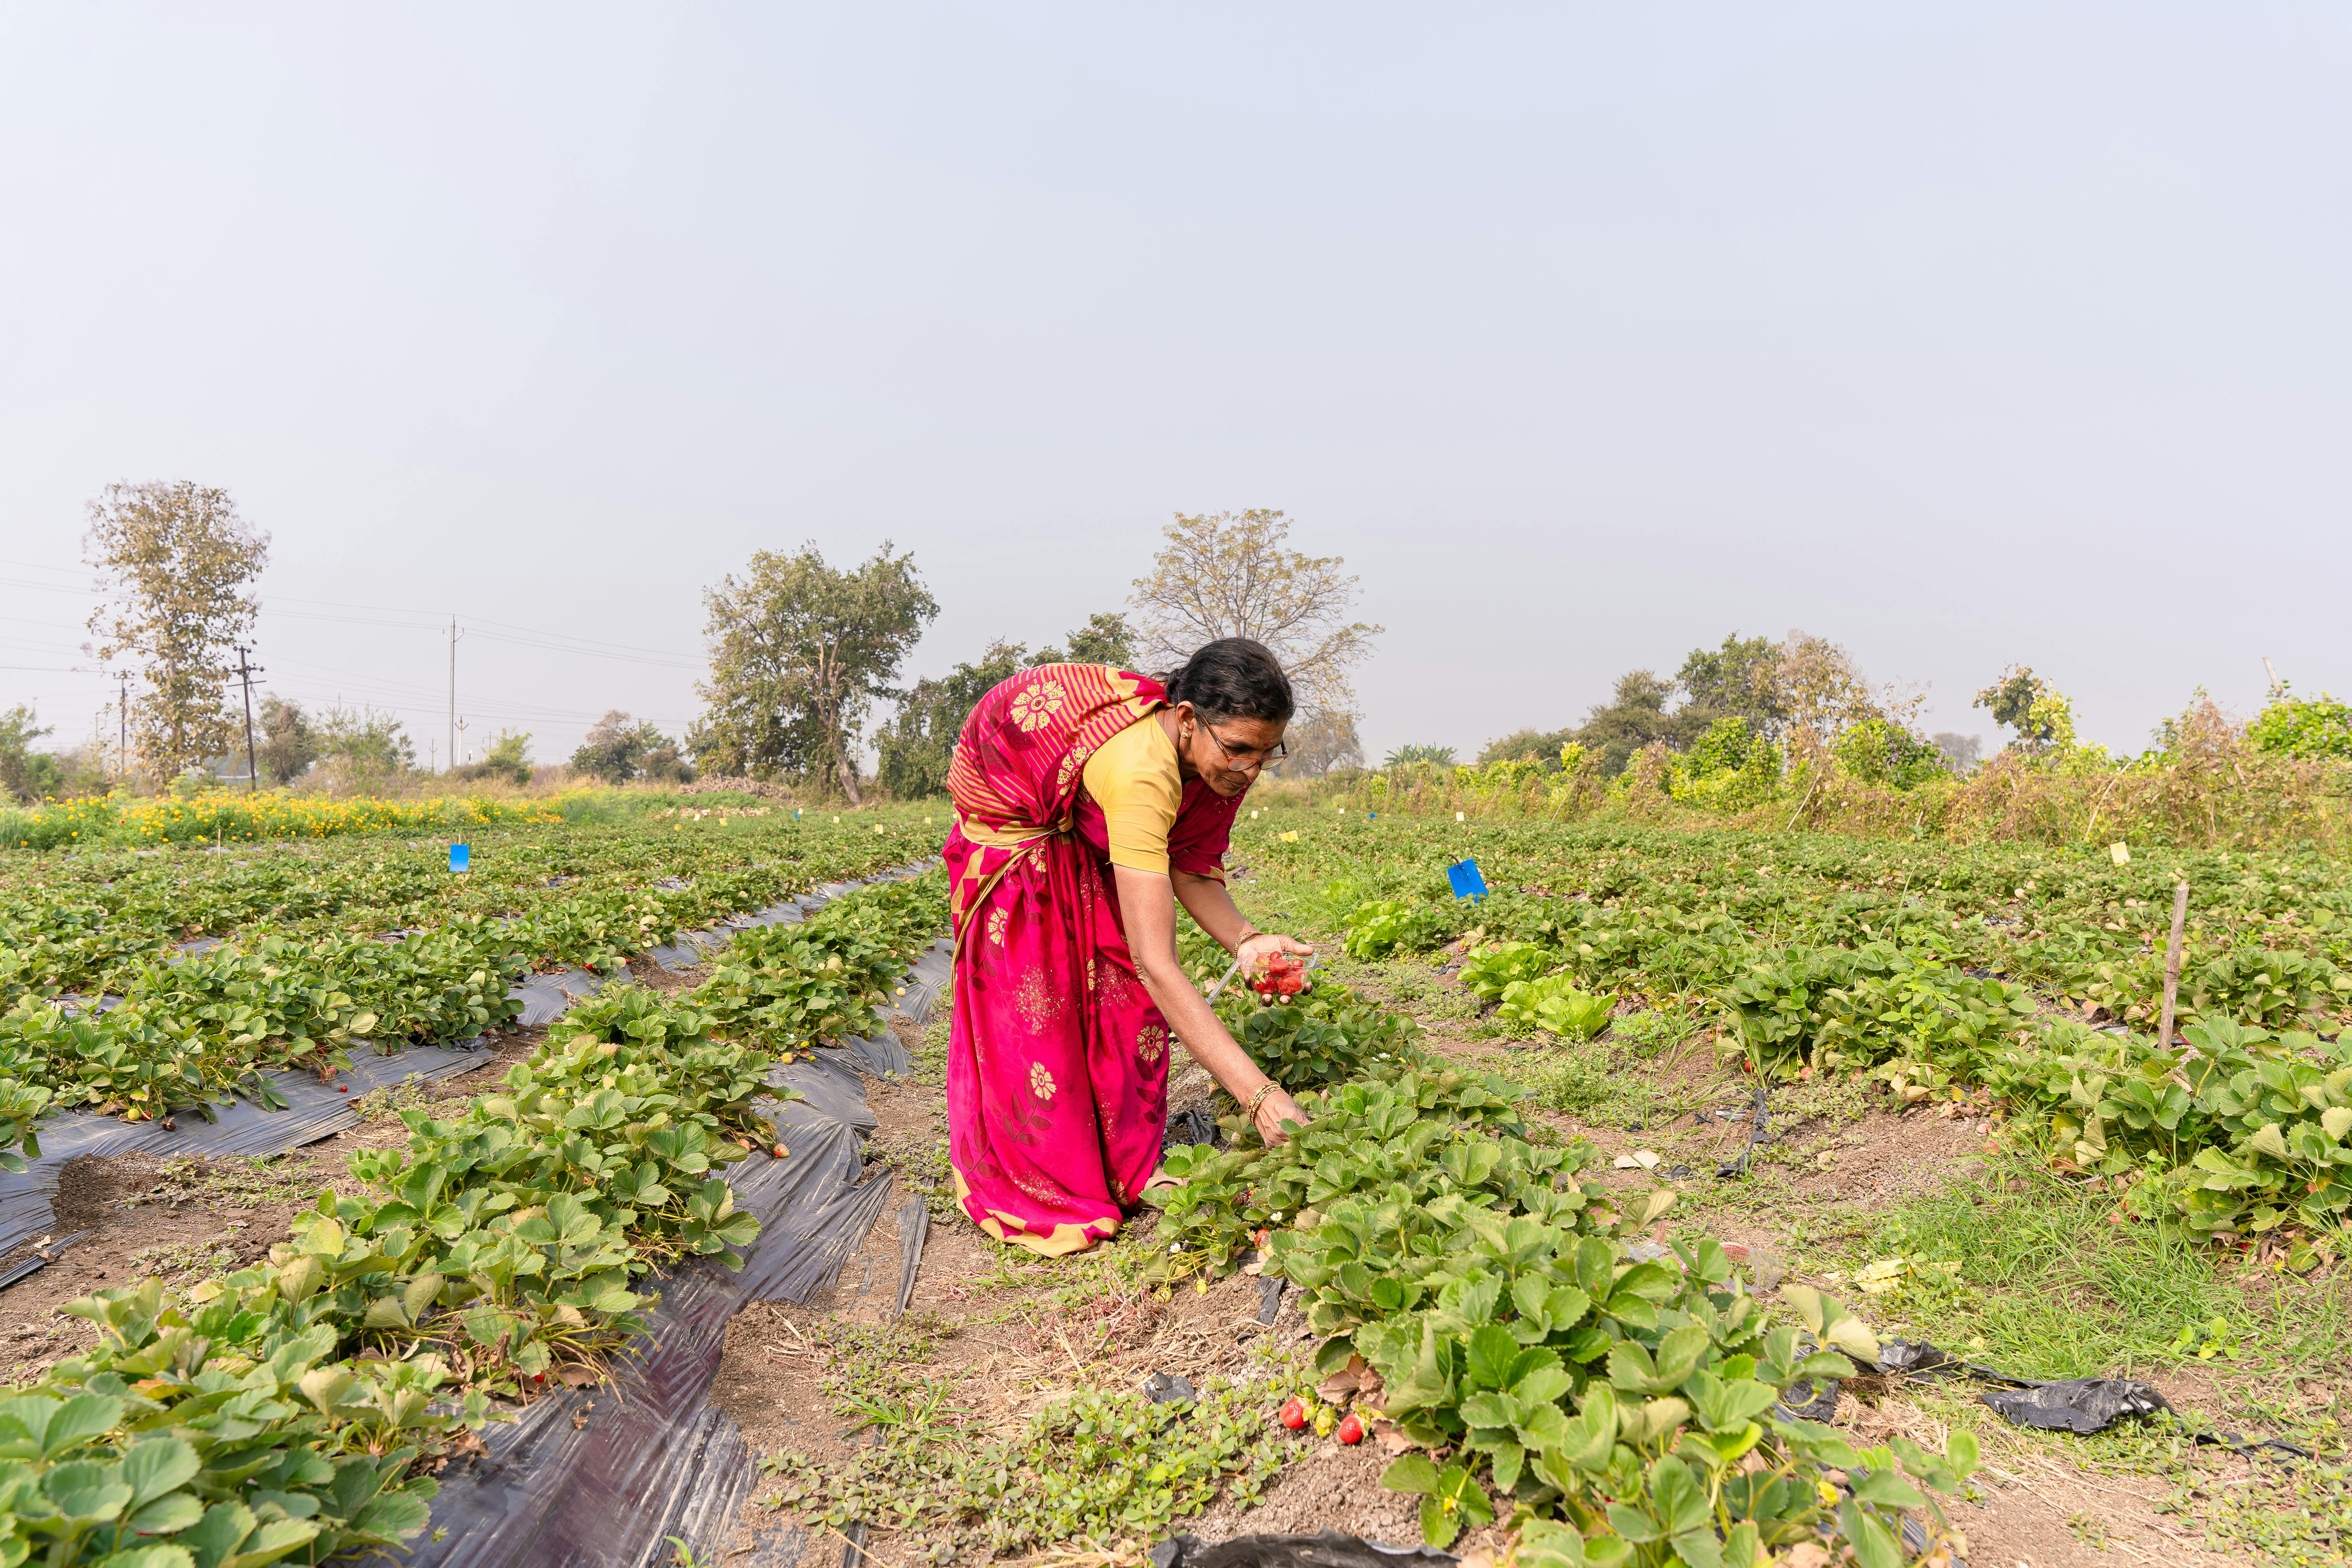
[{"x": 1232, "y": 677}]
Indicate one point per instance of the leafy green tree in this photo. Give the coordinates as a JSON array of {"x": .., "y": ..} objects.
[
  {"x": 1634, "y": 716},
  {"x": 1106, "y": 638},
  {"x": 1724, "y": 748},
  {"x": 177, "y": 563},
  {"x": 2011, "y": 699},
  {"x": 24, "y": 774},
  {"x": 920, "y": 740},
  {"x": 618, "y": 748},
  {"x": 1527, "y": 745},
  {"x": 798, "y": 653},
  {"x": 509, "y": 757},
  {"x": 2311, "y": 728},
  {"x": 667, "y": 762},
  {"x": 1739, "y": 680},
  {"x": 286, "y": 744},
  {"x": 368, "y": 742}
]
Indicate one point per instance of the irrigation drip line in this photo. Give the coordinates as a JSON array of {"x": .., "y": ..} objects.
[
  {"x": 914, "y": 1230},
  {"x": 1758, "y": 1132},
  {"x": 41, "y": 1258}
]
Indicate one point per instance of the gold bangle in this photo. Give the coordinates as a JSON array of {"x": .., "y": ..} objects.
[{"x": 1268, "y": 1087}]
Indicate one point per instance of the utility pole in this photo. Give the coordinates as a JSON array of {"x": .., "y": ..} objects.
[
  {"x": 246, "y": 672},
  {"x": 454, "y": 634},
  {"x": 122, "y": 746},
  {"x": 453, "y": 745}
]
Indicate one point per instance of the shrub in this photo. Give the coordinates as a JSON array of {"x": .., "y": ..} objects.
[
  {"x": 2308, "y": 728},
  {"x": 1879, "y": 752}
]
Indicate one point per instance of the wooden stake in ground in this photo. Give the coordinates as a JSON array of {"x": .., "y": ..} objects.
[{"x": 2172, "y": 962}]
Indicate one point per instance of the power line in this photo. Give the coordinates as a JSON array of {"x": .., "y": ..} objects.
[{"x": 565, "y": 642}]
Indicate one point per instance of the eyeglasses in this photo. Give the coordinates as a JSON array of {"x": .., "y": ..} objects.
[{"x": 1248, "y": 756}]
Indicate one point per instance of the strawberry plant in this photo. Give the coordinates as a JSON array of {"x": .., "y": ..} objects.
[
  {"x": 1321, "y": 1036},
  {"x": 1366, "y": 1133}
]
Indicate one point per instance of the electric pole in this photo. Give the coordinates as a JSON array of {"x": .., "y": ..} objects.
[
  {"x": 122, "y": 746},
  {"x": 454, "y": 634},
  {"x": 246, "y": 672}
]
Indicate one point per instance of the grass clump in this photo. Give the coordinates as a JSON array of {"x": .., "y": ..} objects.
[
  {"x": 1100, "y": 1465},
  {"x": 2050, "y": 1283}
]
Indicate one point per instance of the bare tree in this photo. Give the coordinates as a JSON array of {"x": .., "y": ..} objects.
[
  {"x": 1321, "y": 741},
  {"x": 1820, "y": 688},
  {"x": 1230, "y": 574},
  {"x": 177, "y": 563}
]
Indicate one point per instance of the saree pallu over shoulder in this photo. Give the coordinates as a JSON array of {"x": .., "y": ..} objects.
[
  {"x": 1015, "y": 775},
  {"x": 1057, "y": 1061}
]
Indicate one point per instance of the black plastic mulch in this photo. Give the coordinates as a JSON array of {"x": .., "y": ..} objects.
[{"x": 653, "y": 1458}]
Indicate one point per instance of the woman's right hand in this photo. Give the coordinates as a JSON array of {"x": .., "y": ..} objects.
[{"x": 1273, "y": 1110}]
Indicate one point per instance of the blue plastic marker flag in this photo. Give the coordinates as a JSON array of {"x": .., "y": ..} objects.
[
  {"x": 1468, "y": 882},
  {"x": 458, "y": 855}
]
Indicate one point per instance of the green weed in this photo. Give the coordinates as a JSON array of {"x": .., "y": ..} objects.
[{"x": 2052, "y": 1285}]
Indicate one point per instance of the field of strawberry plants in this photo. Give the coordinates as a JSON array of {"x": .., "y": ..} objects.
[
  {"x": 297, "y": 1408},
  {"x": 357, "y": 942},
  {"x": 1480, "y": 1287},
  {"x": 1479, "y": 1293},
  {"x": 1944, "y": 972}
]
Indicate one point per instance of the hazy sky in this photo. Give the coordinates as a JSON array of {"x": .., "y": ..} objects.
[{"x": 1961, "y": 335}]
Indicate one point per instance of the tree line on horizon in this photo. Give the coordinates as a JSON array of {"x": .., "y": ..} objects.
[{"x": 802, "y": 654}]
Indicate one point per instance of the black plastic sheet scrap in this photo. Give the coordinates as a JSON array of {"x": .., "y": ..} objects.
[
  {"x": 914, "y": 1230},
  {"x": 2080, "y": 1404},
  {"x": 1325, "y": 1549},
  {"x": 2084, "y": 1405}
]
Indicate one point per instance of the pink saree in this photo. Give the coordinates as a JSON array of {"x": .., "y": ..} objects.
[{"x": 1057, "y": 1064}]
